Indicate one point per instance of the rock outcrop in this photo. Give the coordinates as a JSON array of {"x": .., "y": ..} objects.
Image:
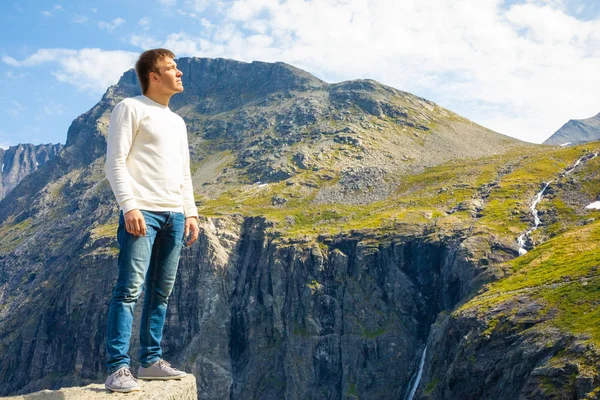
[
  {"x": 183, "y": 389},
  {"x": 19, "y": 161}
]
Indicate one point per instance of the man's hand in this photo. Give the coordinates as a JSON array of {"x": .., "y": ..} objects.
[
  {"x": 135, "y": 222},
  {"x": 191, "y": 230}
]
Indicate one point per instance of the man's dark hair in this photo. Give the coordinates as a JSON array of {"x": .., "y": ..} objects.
[{"x": 148, "y": 62}]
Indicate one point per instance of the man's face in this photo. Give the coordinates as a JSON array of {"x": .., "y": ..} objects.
[{"x": 169, "y": 79}]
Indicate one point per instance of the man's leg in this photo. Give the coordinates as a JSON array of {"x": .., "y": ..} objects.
[
  {"x": 134, "y": 260},
  {"x": 159, "y": 284}
]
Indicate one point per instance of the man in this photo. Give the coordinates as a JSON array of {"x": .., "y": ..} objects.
[{"x": 147, "y": 165}]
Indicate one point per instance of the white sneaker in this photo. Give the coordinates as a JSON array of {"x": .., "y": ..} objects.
[
  {"x": 122, "y": 381},
  {"x": 160, "y": 370}
]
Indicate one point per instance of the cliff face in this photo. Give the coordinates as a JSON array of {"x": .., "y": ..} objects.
[
  {"x": 19, "y": 161},
  {"x": 254, "y": 316},
  {"x": 375, "y": 232}
]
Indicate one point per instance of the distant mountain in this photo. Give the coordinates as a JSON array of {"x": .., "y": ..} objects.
[
  {"x": 577, "y": 131},
  {"x": 19, "y": 161}
]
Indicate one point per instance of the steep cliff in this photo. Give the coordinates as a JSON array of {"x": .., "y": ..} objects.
[
  {"x": 19, "y": 161},
  {"x": 345, "y": 228}
]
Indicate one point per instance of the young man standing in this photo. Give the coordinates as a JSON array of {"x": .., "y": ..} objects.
[{"x": 147, "y": 165}]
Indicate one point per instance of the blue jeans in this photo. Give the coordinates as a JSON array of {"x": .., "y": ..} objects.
[{"x": 152, "y": 258}]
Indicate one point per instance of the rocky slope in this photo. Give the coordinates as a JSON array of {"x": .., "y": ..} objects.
[
  {"x": 577, "y": 131},
  {"x": 377, "y": 229},
  {"x": 19, "y": 161}
]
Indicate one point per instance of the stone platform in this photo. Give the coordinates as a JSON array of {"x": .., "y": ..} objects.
[{"x": 183, "y": 389}]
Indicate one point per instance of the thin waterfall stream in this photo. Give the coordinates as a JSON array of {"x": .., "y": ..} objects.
[
  {"x": 415, "y": 386},
  {"x": 521, "y": 240}
]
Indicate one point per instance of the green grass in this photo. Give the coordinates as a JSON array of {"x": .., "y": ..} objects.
[
  {"x": 431, "y": 386},
  {"x": 563, "y": 274},
  {"x": 106, "y": 230},
  {"x": 13, "y": 234}
]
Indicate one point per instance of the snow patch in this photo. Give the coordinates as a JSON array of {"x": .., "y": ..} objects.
[{"x": 594, "y": 206}]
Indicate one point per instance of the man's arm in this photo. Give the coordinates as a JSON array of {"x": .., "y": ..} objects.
[
  {"x": 189, "y": 205},
  {"x": 121, "y": 132}
]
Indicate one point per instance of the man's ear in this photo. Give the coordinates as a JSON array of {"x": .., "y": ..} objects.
[{"x": 153, "y": 77}]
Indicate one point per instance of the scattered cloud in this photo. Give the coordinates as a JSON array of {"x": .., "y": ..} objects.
[
  {"x": 15, "y": 109},
  {"x": 55, "y": 9},
  {"x": 144, "y": 23},
  {"x": 144, "y": 42},
  {"x": 52, "y": 108},
  {"x": 15, "y": 76},
  {"x": 187, "y": 14},
  {"x": 201, "y": 5},
  {"x": 112, "y": 25},
  {"x": 168, "y": 3},
  {"x": 79, "y": 19},
  {"x": 10, "y": 61},
  {"x": 87, "y": 69}
]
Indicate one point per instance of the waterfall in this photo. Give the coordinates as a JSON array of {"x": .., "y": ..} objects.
[
  {"x": 538, "y": 197},
  {"x": 536, "y": 218},
  {"x": 419, "y": 375}
]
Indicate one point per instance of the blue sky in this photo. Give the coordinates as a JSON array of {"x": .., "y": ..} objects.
[{"x": 520, "y": 67}]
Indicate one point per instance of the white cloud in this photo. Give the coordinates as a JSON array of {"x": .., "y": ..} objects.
[
  {"x": 144, "y": 42},
  {"x": 168, "y": 3},
  {"x": 112, "y": 25},
  {"x": 144, "y": 23},
  {"x": 87, "y": 69},
  {"x": 15, "y": 109},
  {"x": 55, "y": 9},
  {"x": 79, "y": 19},
  {"x": 523, "y": 69},
  {"x": 187, "y": 14},
  {"x": 15, "y": 76},
  {"x": 10, "y": 61},
  {"x": 53, "y": 108}
]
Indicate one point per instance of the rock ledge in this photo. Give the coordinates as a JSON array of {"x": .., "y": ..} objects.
[{"x": 184, "y": 389}]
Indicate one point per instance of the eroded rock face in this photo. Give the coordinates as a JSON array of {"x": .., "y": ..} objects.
[
  {"x": 19, "y": 161},
  {"x": 527, "y": 360}
]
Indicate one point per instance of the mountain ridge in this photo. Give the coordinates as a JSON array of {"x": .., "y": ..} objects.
[{"x": 577, "y": 131}]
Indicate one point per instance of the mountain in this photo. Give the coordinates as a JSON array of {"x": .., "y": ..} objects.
[
  {"x": 345, "y": 228},
  {"x": 19, "y": 161},
  {"x": 577, "y": 131}
]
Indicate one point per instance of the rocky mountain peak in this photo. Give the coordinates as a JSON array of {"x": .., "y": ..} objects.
[
  {"x": 577, "y": 131},
  {"x": 224, "y": 84}
]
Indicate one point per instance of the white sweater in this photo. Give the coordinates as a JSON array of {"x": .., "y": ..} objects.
[{"x": 147, "y": 158}]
